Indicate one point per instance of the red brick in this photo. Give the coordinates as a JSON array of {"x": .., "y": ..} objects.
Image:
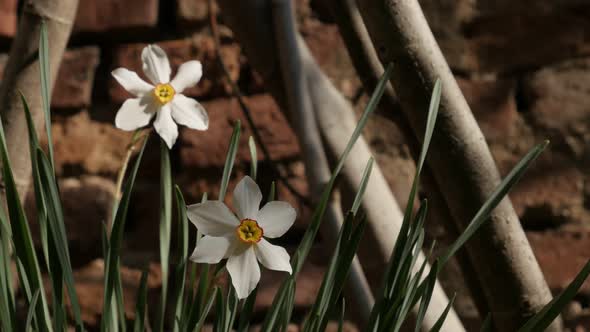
[
  {"x": 89, "y": 146},
  {"x": 551, "y": 193},
  {"x": 562, "y": 254},
  {"x": 105, "y": 15},
  {"x": 89, "y": 283},
  {"x": 194, "y": 13},
  {"x": 559, "y": 96},
  {"x": 308, "y": 284},
  {"x": 73, "y": 87},
  {"x": 207, "y": 149},
  {"x": 493, "y": 104},
  {"x": 8, "y": 17},
  {"x": 179, "y": 51}
]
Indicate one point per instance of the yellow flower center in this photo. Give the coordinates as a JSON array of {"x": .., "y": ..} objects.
[
  {"x": 249, "y": 232},
  {"x": 164, "y": 93}
]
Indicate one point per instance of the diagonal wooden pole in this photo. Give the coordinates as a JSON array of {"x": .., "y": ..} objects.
[
  {"x": 252, "y": 24},
  {"x": 508, "y": 274},
  {"x": 22, "y": 74}
]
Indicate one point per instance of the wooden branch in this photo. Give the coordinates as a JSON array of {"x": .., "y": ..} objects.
[
  {"x": 301, "y": 115},
  {"x": 22, "y": 74},
  {"x": 337, "y": 121},
  {"x": 366, "y": 62},
  {"x": 463, "y": 167},
  {"x": 251, "y": 24}
]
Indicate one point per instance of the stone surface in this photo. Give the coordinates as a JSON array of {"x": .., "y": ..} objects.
[
  {"x": 107, "y": 15},
  {"x": 85, "y": 146},
  {"x": 8, "y": 17},
  {"x": 199, "y": 48},
  {"x": 73, "y": 87}
]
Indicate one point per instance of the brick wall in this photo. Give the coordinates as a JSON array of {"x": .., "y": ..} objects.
[{"x": 525, "y": 70}]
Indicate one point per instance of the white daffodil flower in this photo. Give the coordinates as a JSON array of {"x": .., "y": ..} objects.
[
  {"x": 241, "y": 239},
  {"x": 163, "y": 99}
]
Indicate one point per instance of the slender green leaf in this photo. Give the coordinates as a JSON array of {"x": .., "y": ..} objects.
[
  {"x": 22, "y": 240},
  {"x": 206, "y": 309},
  {"x": 180, "y": 270},
  {"x": 231, "y": 305},
  {"x": 285, "y": 316},
  {"x": 7, "y": 311},
  {"x": 393, "y": 274},
  {"x": 441, "y": 320},
  {"x": 229, "y": 160},
  {"x": 341, "y": 315},
  {"x": 165, "y": 226},
  {"x": 31, "y": 312},
  {"x": 363, "y": 186},
  {"x": 308, "y": 238},
  {"x": 247, "y": 310},
  {"x": 115, "y": 242},
  {"x": 427, "y": 295},
  {"x": 141, "y": 304},
  {"x": 271, "y": 319},
  {"x": 495, "y": 198},
  {"x": 58, "y": 233}
]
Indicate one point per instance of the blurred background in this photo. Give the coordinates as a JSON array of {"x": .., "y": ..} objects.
[{"x": 523, "y": 66}]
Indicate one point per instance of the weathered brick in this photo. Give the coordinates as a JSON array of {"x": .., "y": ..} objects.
[
  {"x": 8, "y": 17},
  {"x": 73, "y": 87},
  {"x": 194, "y": 13},
  {"x": 83, "y": 145},
  {"x": 75, "y": 78},
  {"x": 87, "y": 203},
  {"x": 105, "y": 15},
  {"x": 179, "y": 51},
  {"x": 558, "y": 96},
  {"x": 89, "y": 283},
  {"x": 502, "y": 36},
  {"x": 208, "y": 149},
  {"x": 551, "y": 193},
  {"x": 308, "y": 284},
  {"x": 493, "y": 103},
  {"x": 562, "y": 254}
]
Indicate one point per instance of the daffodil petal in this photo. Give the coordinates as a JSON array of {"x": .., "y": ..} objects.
[
  {"x": 131, "y": 81},
  {"x": 213, "y": 218},
  {"x": 188, "y": 112},
  {"x": 165, "y": 125},
  {"x": 247, "y": 198},
  {"x": 244, "y": 272},
  {"x": 189, "y": 74},
  {"x": 155, "y": 64},
  {"x": 276, "y": 218},
  {"x": 212, "y": 249},
  {"x": 134, "y": 113},
  {"x": 273, "y": 257}
]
